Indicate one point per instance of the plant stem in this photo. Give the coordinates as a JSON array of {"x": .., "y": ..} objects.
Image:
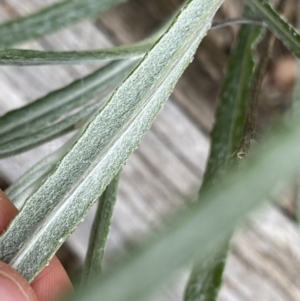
[{"x": 99, "y": 232}]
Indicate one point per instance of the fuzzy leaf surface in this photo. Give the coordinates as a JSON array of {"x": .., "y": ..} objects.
[
  {"x": 52, "y": 213},
  {"x": 223, "y": 207}
]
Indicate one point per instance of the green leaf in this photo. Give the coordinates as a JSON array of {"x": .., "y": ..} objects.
[
  {"x": 48, "y": 20},
  {"x": 296, "y": 96},
  {"x": 99, "y": 233},
  {"x": 24, "y": 57},
  {"x": 296, "y": 109},
  {"x": 68, "y": 124},
  {"x": 57, "y": 207},
  {"x": 49, "y": 120},
  {"x": 20, "y": 57},
  {"x": 282, "y": 29},
  {"x": 46, "y": 109},
  {"x": 205, "y": 281},
  {"x": 230, "y": 116},
  {"x": 198, "y": 232}
]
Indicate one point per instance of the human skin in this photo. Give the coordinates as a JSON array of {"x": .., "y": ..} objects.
[{"x": 53, "y": 282}]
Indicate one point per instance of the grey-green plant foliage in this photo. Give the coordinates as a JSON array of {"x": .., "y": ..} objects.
[
  {"x": 296, "y": 108},
  {"x": 204, "y": 282},
  {"x": 99, "y": 233},
  {"x": 221, "y": 210},
  {"x": 296, "y": 96},
  {"x": 56, "y": 99},
  {"x": 29, "y": 182},
  {"x": 283, "y": 30},
  {"x": 230, "y": 116},
  {"x": 57, "y": 207},
  {"x": 40, "y": 121},
  {"x": 20, "y": 57},
  {"x": 80, "y": 171},
  {"x": 24, "y": 57},
  {"x": 50, "y": 19}
]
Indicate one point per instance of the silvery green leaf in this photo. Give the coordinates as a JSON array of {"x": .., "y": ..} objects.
[
  {"x": 59, "y": 15},
  {"x": 57, "y": 207},
  {"x": 29, "y": 182},
  {"x": 282, "y": 29},
  {"x": 200, "y": 231}
]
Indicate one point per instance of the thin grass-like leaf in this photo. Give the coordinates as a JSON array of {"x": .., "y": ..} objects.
[
  {"x": 67, "y": 125},
  {"x": 231, "y": 112},
  {"x": 296, "y": 109},
  {"x": 223, "y": 207},
  {"x": 296, "y": 95},
  {"x": 43, "y": 108},
  {"x": 21, "y": 57},
  {"x": 57, "y": 207},
  {"x": 205, "y": 280},
  {"x": 99, "y": 233},
  {"x": 30, "y": 181},
  {"x": 47, "y": 120},
  {"x": 48, "y": 20},
  {"x": 283, "y": 30}
]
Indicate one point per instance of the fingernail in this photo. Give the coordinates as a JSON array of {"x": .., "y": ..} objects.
[{"x": 10, "y": 289}]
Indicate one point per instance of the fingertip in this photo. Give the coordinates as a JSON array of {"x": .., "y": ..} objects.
[
  {"x": 13, "y": 287},
  {"x": 53, "y": 283},
  {"x": 7, "y": 211}
]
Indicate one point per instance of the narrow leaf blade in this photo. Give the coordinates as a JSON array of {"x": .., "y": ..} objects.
[
  {"x": 99, "y": 233},
  {"x": 48, "y": 20},
  {"x": 21, "y": 57},
  {"x": 103, "y": 79},
  {"x": 230, "y": 116},
  {"x": 98, "y": 155},
  {"x": 282, "y": 29}
]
